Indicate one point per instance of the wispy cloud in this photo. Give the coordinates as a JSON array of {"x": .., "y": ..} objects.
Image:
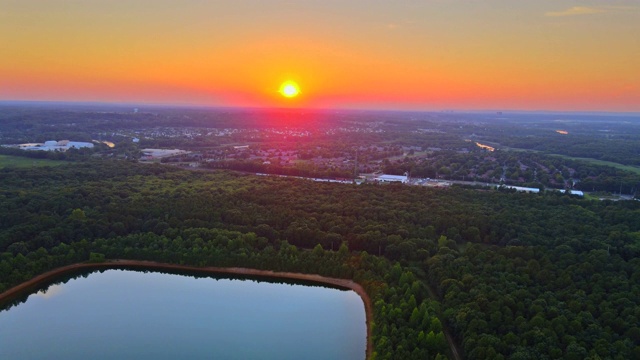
[
  {"x": 589, "y": 10},
  {"x": 576, "y": 10},
  {"x": 396, "y": 25}
]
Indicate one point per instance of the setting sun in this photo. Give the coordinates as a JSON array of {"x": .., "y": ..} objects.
[{"x": 289, "y": 89}]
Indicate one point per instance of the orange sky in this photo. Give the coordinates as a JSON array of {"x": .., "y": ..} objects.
[{"x": 404, "y": 54}]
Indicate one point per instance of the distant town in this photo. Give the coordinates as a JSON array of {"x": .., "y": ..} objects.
[{"x": 518, "y": 152}]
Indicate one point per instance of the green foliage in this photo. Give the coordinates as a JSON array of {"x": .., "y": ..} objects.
[
  {"x": 96, "y": 257},
  {"x": 20, "y": 161},
  {"x": 514, "y": 275}
]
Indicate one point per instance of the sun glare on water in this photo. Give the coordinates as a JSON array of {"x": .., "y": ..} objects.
[{"x": 289, "y": 89}]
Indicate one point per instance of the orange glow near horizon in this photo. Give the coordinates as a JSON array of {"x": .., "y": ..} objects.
[{"x": 403, "y": 56}]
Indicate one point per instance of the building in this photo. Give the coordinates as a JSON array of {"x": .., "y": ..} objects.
[
  {"x": 524, "y": 189},
  {"x": 392, "y": 178},
  {"x": 575, "y": 192},
  {"x": 52, "y": 145}
]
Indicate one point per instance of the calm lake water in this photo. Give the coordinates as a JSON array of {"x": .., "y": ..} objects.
[{"x": 118, "y": 314}]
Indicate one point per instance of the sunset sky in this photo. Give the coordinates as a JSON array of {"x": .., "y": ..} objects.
[{"x": 400, "y": 54}]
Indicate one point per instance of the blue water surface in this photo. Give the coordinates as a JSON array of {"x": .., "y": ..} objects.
[{"x": 121, "y": 314}]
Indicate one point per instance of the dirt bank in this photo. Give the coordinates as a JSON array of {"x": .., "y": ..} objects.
[{"x": 349, "y": 284}]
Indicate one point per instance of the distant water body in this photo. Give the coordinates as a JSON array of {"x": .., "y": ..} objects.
[{"x": 119, "y": 314}]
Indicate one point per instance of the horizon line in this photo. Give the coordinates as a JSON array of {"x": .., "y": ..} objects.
[{"x": 361, "y": 109}]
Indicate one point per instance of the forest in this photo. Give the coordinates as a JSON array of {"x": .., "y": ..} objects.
[{"x": 509, "y": 275}]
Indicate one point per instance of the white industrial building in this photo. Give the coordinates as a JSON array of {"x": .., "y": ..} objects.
[
  {"x": 575, "y": 192},
  {"x": 52, "y": 145},
  {"x": 524, "y": 189},
  {"x": 392, "y": 178}
]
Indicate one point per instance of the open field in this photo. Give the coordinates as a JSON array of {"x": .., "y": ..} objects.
[
  {"x": 633, "y": 169},
  {"x": 17, "y": 161}
]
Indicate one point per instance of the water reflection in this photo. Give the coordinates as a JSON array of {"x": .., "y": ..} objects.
[
  {"x": 126, "y": 314},
  {"x": 49, "y": 292}
]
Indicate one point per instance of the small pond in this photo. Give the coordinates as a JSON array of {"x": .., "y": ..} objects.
[{"x": 125, "y": 314}]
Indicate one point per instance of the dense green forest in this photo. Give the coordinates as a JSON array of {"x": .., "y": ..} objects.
[{"x": 516, "y": 276}]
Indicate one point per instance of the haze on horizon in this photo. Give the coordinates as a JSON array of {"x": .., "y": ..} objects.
[{"x": 407, "y": 55}]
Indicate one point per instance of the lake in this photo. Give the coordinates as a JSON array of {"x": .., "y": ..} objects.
[{"x": 125, "y": 314}]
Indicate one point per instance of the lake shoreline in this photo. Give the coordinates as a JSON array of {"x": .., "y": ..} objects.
[{"x": 344, "y": 283}]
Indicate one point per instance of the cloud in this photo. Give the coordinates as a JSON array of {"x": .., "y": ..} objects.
[
  {"x": 576, "y": 10},
  {"x": 397, "y": 25},
  {"x": 590, "y": 10}
]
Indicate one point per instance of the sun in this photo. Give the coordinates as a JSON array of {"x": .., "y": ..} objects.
[{"x": 289, "y": 89}]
